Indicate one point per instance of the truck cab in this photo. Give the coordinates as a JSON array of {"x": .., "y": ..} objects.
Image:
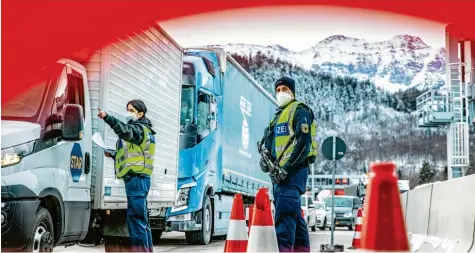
[
  {"x": 46, "y": 160},
  {"x": 199, "y": 155},
  {"x": 218, "y": 135}
]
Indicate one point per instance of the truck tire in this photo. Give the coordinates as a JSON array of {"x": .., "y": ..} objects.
[
  {"x": 41, "y": 239},
  {"x": 203, "y": 236}
]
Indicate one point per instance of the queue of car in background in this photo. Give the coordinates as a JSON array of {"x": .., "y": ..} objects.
[{"x": 345, "y": 209}]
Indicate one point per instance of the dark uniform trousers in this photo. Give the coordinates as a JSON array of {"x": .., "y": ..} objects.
[
  {"x": 137, "y": 187},
  {"x": 290, "y": 226}
]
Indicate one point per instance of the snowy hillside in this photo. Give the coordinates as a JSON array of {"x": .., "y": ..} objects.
[
  {"x": 376, "y": 124},
  {"x": 400, "y": 63}
]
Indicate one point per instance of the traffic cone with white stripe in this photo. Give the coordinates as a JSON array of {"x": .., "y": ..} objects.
[
  {"x": 356, "y": 244},
  {"x": 236, "y": 240},
  {"x": 262, "y": 237}
]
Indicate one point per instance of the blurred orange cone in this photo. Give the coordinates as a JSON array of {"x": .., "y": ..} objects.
[
  {"x": 383, "y": 227},
  {"x": 356, "y": 244},
  {"x": 262, "y": 237},
  {"x": 236, "y": 240}
]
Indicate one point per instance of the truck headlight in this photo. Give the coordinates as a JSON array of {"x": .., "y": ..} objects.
[
  {"x": 348, "y": 215},
  {"x": 182, "y": 217},
  {"x": 13, "y": 155},
  {"x": 182, "y": 197}
]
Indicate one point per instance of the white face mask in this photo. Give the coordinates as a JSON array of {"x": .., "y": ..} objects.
[
  {"x": 283, "y": 98},
  {"x": 131, "y": 116}
]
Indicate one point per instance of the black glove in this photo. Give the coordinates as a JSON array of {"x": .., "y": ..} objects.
[
  {"x": 278, "y": 175},
  {"x": 262, "y": 163}
]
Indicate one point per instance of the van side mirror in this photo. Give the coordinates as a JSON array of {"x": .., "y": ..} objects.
[{"x": 73, "y": 123}]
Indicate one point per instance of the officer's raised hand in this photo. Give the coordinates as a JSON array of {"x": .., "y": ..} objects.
[{"x": 101, "y": 114}]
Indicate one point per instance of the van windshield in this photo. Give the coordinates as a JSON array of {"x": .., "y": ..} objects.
[
  {"x": 319, "y": 206},
  {"x": 27, "y": 105},
  {"x": 339, "y": 202}
]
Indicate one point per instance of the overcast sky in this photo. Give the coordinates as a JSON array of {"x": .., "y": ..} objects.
[{"x": 298, "y": 28}]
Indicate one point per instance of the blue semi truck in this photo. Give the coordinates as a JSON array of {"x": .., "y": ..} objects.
[{"x": 224, "y": 113}]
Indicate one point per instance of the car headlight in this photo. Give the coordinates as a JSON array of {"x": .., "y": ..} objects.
[
  {"x": 348, "y": 215},
  {"x": 13, "y": 155},
  {"x": 182, "y": 197}
]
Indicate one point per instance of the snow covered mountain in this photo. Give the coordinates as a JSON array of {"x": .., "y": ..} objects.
[{"x": 400, "y": 63}]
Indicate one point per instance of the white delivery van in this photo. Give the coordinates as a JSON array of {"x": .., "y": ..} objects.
[{"x": 57, "y": 185}]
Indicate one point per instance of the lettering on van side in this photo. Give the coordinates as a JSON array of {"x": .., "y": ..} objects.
[{"x": 76, "y": 162}]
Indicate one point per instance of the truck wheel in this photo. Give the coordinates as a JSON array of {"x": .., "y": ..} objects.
[
  {"x": 156, "y": 234},
  {"x": 41, "y": 239},
  {"x": 203, "y": 236}
]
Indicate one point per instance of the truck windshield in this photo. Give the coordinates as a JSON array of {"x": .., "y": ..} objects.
[
  {"x": 339, "y": 202},
  {"x": 26, "y": 105},
  {"x": 188, "y": 79},
  {"x": 187, "y": 102}
]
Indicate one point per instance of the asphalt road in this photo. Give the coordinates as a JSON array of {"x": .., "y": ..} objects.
[{"x": 175, "y": 242}]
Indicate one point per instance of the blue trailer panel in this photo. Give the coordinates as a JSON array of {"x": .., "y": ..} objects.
[{"x": 246, "y": 113}]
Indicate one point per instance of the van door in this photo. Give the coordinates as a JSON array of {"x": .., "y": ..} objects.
[{"x": 72, "y": 158}]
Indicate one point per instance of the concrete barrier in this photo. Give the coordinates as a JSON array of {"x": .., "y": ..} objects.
[
  {"x": 404, "y": 203},
  {"x": 440, "y": 217},
  {"x": 418, "y": 210}
]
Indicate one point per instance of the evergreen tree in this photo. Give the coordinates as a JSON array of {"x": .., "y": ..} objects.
[{"x": 426, "y": 174}]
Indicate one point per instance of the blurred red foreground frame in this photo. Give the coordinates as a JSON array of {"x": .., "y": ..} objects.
[{"x": 36, "y": 33}]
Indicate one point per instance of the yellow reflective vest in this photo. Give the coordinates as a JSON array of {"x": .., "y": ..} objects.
[
  {"x": 284, "y": 133},
  {"x": 135, "y": 158}
]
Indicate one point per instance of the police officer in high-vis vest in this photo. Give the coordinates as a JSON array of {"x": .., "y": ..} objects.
[
  {"x": 287, "y": 149},
  {"x": 134, "y": 157}
]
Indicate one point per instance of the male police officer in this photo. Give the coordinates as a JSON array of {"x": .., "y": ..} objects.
[{"x": 288, "y": 147}]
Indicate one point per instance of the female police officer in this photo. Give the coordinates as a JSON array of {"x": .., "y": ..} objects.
[{"x": 134, "y": 163}]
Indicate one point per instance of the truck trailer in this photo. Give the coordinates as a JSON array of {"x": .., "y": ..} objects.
[
  {"x": 224, "y": 114},
  {"x": 57, "y": 186}
]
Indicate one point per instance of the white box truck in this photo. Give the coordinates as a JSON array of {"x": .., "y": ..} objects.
[{"x": 57, "y": 185}]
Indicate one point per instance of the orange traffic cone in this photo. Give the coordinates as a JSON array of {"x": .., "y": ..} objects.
[
  {"x": 262, "y": 237},
  {"x": 383, "y": 228},
  {"x": 356, "y": 244},
  {"x": 236, "y": 240}
]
